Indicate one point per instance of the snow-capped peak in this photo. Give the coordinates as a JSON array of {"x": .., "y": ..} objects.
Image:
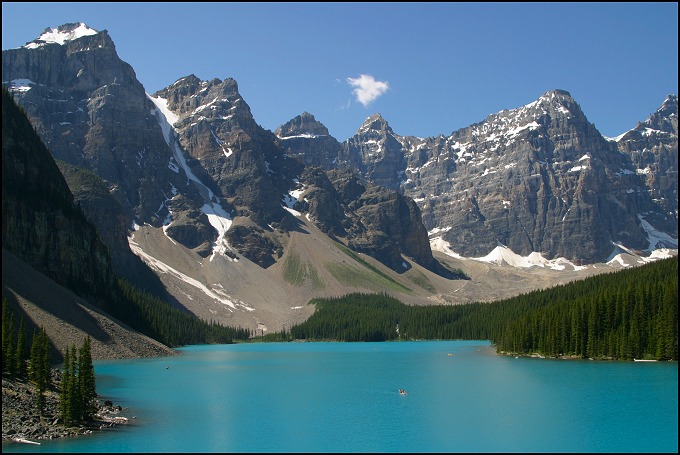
[{"x": 61, "y": 35}]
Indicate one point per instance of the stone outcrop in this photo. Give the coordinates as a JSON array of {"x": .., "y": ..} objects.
[
  {"x": 239, "y": 159},
  {"x": 236, "y": 158},
  {"x": 371, "y": 219},
  {"x": 375, "y": 150}
]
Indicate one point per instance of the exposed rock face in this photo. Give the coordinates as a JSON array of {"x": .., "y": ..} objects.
[
  {"x": 40, "y": 222},
  {"x": 89, "y": 109},
  {"x": 216, "y": 128},
  {"x": 302, "y": 125},
  {"x": 374, "y": 220},
  {"x": 164, "y": 156},
  {"x": 236, "y": 158},
  {"x": 321, "y": 200},
  {"x": 653, "y": 149},
  {"x": 248, "y": 166},
  {"x": 93, "y": 197},
  {"x": 377, "y": 152},
  {"x": 539, "y": 178},
  {"x": 308, "y": 140}
]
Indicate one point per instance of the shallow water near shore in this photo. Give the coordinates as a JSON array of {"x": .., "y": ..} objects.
[{"x": 343, "y": 397}]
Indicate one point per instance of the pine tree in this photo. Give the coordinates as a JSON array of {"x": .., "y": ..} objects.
[
  {"x": 6, "y": 336},
  {"x": 86, "y": 379},
  {"x": 64, "y": 397},
  {"x": 20, "y": 356},
  {"x": 76, "y": 404},
  {"x": 39, "y": 368},
  {"x": 8, "y": 363}
]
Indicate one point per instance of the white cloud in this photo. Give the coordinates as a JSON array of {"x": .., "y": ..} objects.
[{"x": 367, "y": 89}]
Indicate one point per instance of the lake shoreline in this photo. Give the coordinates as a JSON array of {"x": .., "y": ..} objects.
[{"x": 21, "y": 423}]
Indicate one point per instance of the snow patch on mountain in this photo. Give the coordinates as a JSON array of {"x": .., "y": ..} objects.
[
  {"x": 618, "y": 259},
  {"x": 20, "y": 85},
  {"x": 656, "y": 238},
  {"x": 162, "y": 267},
  {"x": 616, "y": 138},
  {"x": 217, "y": 216},
  {"x": 502, "y": 255},
  {"x": 304, "y": 136},
  {"x": 61, "y": 35},
  {"x": 441, "y": 245},
  {"x": 289, "y": 200}
]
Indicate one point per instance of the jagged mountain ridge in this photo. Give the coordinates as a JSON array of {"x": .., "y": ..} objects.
[
  {"x": 653, "y": 148},
  {"x": 179, "y": 184},
  {"x": 208, "y": 190},
  {"x": 201, "y": 215},
  {"x": 539, "y": 178}
]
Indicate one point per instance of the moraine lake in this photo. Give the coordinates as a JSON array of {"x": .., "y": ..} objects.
[{"x": 343, "y": 397}]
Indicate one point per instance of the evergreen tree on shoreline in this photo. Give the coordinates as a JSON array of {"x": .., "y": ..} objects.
[
  {"x": 39, "y": 366},
  {"x": 86, "y": 380},
  {"x": 64, "y": 392},
  {"x": 20, "y": 353},
  {"x": 78, "y": 393}
]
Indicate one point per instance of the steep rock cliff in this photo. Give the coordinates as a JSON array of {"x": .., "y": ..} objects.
[
  {"x": 88, "y": 107},
  {"x": 40, "y": 222}
]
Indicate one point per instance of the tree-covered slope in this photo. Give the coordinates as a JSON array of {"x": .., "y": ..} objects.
[{"x": 623, "y": 315}]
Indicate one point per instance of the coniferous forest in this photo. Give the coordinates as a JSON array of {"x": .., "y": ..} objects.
[
  {"x": 624, "y": 315},
  {"x": 169, "y": 325}
]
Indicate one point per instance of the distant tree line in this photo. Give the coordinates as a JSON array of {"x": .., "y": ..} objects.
[
  {"x": 169, "y": 325},
  {"x": 632, "y": 313}
]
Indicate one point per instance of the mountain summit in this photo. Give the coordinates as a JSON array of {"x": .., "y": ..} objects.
[
  {"x": 61, "y": 34},
  {"x": 302, "y": 125}
]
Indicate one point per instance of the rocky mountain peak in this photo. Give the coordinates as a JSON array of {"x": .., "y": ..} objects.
[
  {"x": 665, "y": 118},
  {"x": 670, "y": 105},
  {"x": 194, "y": 100},
  {"x": 375, "y": 122},
  {"x": 61, "y": 35},
  {"x": 303, "y": 125},
  {"x": 558, "y": 92},
  {"x": 554, "y": 103},
  {"x": 555, "y": 109},
  {"x": 652, "y": 147}
]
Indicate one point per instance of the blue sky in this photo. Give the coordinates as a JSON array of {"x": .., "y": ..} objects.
[{"x": 428, "y": 68}]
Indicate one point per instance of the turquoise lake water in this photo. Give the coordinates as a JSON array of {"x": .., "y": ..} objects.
[{"x": 343, "y": 397}]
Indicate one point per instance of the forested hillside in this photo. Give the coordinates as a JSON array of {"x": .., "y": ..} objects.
[{"x": 624, "y": 315}]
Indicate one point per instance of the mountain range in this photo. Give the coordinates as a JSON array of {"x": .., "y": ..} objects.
[{"x": 195, "y": 202}]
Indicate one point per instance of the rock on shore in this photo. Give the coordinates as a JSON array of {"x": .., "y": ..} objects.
[{"x": 21, "y": 421}]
